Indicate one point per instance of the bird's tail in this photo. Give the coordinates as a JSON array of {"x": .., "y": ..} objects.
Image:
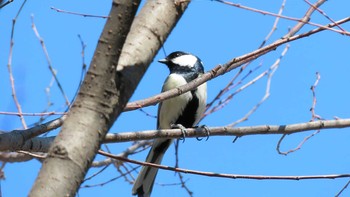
[{"x": 145, "y": 180}]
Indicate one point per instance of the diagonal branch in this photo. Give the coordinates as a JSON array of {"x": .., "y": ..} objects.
[
  {"x": 302, "y": 21},
  {"x": 222, "y": 69},
  {"x": 48, "y": 59},
  {"x": 19, "y": 139}
]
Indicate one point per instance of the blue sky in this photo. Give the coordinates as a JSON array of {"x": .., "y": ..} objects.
[{"x": 216, "y": 33}]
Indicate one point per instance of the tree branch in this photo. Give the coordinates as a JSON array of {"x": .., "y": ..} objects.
[
  {"x": 24, "y": 139},
  {"x": 223, "y": 175},
  {"x": 201, "y": 132},
  {"x": 222, "y": 69},
  {"x": 228, "y": 131}
]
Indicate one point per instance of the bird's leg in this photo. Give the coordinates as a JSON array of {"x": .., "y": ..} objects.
[
  {"x": 207, "y": 131},
  {"x": 182, "y": 128}
]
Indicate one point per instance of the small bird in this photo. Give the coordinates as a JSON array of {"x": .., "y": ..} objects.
[{"x": 184, "y": 111}]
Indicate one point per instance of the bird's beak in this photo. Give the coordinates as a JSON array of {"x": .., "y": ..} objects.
[{"x": 163, "y": 61}]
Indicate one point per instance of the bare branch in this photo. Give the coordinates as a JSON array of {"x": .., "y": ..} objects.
[
  {"x": 222, "y": 69},
  {"x": 129, "y": 151},
  {"x": 314, "y": 100},
  {"x": 274, "y": 27},
  {"x": 97, "y": 173},
  {"x": 53, "y": 72},
  {"x": 304, "y": 20},
  {"x": 80, "y": 14},
  {"x": 183, "y": 184},
  {"x": 12, "y": 157},
  {"x": 270, "y": 73},
  {"x": 34, "y": 155},
  {"x": 32, "y": 114},
  {"x": 42, "y": 144},
  {"x": 324, "y": 14},
  {"x": 111, "y": 180},
  {"x": 296, "y": 148},
  {"x": 231, "y": 84},
  {"x": 9, "y": 67},
  {"x": 19, "y": 139},
  {"x": 228, "y": 131},
  {"x": 223, "y": 175},
  {"x": 341, "y": 191},
  {"x": 314, "y": 117},
  {"x": 6, "y": 3}
]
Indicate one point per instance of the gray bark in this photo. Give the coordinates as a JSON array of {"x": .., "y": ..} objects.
[
  {"x": 107, "y": 87},
  {"x": 91, "y": 115}
]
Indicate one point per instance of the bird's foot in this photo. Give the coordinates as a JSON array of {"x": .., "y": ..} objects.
[
  {"x": 182, "y": 128},
  {"x": 207, "y": 131}
]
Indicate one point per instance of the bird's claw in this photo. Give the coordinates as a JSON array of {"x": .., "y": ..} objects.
[
  {"x": 207, "y": 131},
  {"x": 183, "y": 130}
]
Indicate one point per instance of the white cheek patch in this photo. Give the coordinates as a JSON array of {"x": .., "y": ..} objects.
[{"x": 185, "y": 60}]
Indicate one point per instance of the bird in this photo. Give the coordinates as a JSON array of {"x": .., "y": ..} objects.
[{"x": 183, "y": 111}]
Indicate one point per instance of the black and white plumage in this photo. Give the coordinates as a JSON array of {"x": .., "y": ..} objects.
[{"x": 185, "y": 110}]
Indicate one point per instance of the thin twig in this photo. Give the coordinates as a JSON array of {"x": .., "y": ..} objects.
[
  {"x": 306, "y": 19},
  {"x": 285, "y": 17},
  {"x": 80, "y": 14},
  {"x": 6, "y": 3},
  {"x": 110, "y": 180},
  {"x": 341, "y": 191},
  {"x": 49, "y": 103},
  {"x": 32, "y": 114},
  {"x": 53, "y": 72},
  {"x": 314, "y": 100},
  {"x": 231, "y": 84},
  {"x": 9, "y": 67},
  {"x": 324, "y": 14},
  {"x": 2, "y": 173},
  {"x": 84, "y": 66},
  {"x": 96, "y": 173},
  {"x": 274, "y": 27},
  {"x": 226, "y": 101},
  {"x": 183, "y": 184},
  {"x": 147, "y": 114},
  {"x": 224, "y": 175},
  {"x": 182, "y": 181},
  {"x": 34, "y": 155},
  {"x": 270, "y": 73},
  {"x": 135, "y": 148},
  {"x": 296, "y": 148},
  {"x": 83, "y": 69},
  {"x": 313, "y": 118}
]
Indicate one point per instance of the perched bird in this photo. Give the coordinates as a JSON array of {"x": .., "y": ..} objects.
[{"x": 184, "y": 110}]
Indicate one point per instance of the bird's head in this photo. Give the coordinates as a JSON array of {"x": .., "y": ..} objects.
[{"x": 182, "y": 62}]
